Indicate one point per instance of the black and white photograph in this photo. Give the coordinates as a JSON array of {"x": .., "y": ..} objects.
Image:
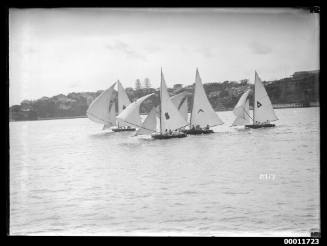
[{"x": 162, "y": 121}]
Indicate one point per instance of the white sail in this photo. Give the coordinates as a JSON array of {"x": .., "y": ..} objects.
[
  {"x": 112, "y": 113},
  {"x": 123, "y": 100},
  {"x": 202, "y": 111},
  {"x": 149, "y": 125},
  {"x": 180, "y": 102},
  {"x": 131, "y": 115},
  {"x": 263, "y": 109},
  {"x": 241, "y": 110},
  {"x": 184, "y": 109},
  {"x": 170, "y": 118},
  {"x": 98, "y": 110}
]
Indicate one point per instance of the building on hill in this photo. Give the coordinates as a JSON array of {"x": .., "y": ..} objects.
[
  {"x": 303, "y": 74},
  {"x": 60, "y": 98},
  {"x": 177, "y": 86},
  {"x": 44, "y": 99}
]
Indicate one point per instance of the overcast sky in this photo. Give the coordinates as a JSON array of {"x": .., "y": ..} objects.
[{"x": 53, "y": 51}]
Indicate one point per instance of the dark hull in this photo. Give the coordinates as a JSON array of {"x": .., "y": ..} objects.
[
  {"x": 260, "y": 126},
  {"x": 123, "y": 129},
  {"x": 164, "y": 136},
  {"x": 198, "y": 131}
]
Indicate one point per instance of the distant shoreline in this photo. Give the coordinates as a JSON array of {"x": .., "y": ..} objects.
[{"x": 276, "y": 106}]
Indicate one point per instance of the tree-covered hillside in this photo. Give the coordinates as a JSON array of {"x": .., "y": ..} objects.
[{"x": 301, "y": 87}]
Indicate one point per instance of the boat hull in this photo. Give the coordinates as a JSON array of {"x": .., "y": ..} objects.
[
  {"x": 166, "y": 136},
  {"x": 123, "y": 129},
  {"x": 260, "y": 126},
  {"x": 198, "y": 131}
]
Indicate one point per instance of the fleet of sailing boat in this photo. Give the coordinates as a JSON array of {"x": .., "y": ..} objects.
[
  {"x": 263, "y": 112},
  {"x": 172, "y": 112}
]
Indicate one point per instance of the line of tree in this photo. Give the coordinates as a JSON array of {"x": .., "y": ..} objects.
[{"x": 301, "y": 87}]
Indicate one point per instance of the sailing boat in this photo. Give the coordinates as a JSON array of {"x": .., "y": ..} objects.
[
  {"x": 103, "y": 108},
  {"x": 170, "y": 118},
  {"x": 123, "y": 102},
  {"x": 131, "y": 115},
  {"x": 203, "y": 115},
  {"x": 241, "y": 110},
  {"x": 263, "y": 112},
  {"x": 150, "y": 123}
]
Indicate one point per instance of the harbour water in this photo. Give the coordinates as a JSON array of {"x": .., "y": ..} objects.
[{"x": 68, "y": 177}]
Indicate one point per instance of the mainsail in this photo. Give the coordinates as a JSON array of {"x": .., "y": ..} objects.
[
  {"x": 241, "y": 110},
  {"x": 99, "y": 111},
  {"x": 149, "y": 125},
  {"x": 131, "y": 115},
  {"x": 112, "y": 113},
  {"x": 123, "y": 100},
  {"x": 263, "y": 109},
  {"x": 170, "y": 117},
  {"x": 181, "y": 103},
  {"x": 202, "y": 111}
]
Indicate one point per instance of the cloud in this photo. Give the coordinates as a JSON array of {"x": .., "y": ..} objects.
[
  {"x": 152, "y": 49},
  {"x": 259, "y": 49},
  {"x": 206, "y": 52},
  {"x": 74, "y": 84},
  {"x": 123, "y": 47}
]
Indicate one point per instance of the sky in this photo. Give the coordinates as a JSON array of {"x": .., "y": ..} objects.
[{"x": 54, "y": 51}]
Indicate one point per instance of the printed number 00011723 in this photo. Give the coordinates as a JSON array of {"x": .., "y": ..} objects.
[{"x": 301, "y": 241}]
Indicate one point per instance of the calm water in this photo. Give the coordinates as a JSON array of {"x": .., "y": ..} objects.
[{"x": 68, "y": 177}]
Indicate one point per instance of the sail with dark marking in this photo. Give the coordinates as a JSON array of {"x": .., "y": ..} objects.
[
  {"x": 202, "y": 112},
  {"x": 181, "y": 103},
  {"x": 171, "y": 119},
  {"x": 99, "y": 111},
  {"x": 263, "y": 109}
]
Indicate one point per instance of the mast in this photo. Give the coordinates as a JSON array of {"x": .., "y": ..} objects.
[
  {"x": 192, "y": 101},
  {"x": 117, "y": 101},
  {"x": 118, "y": 95},
  {"x": 160, "y": 101},
  {"x": 254, "y": 98},
  {"x": 123, "y": 100}
]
